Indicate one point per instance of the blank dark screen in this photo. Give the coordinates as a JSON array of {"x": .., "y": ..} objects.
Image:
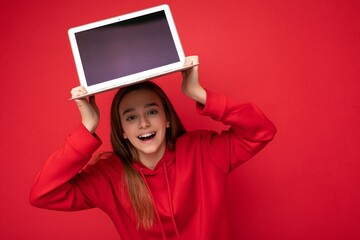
[{"x": 126, "y": 47}]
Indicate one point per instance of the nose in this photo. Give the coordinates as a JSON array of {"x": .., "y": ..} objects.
[{"x": 143, "y": 122}]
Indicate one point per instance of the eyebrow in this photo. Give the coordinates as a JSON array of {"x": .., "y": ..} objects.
[{"x": 146, "y": 106}]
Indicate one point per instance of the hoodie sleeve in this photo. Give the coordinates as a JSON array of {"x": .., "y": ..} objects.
[
  {"x": 53, "y": 187},
  {"x": 250, "y": 130}
]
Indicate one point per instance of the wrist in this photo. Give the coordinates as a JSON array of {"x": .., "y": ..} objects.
[
  {"x": 198, "y": 94},
  {"x": 90, "y": 127}
]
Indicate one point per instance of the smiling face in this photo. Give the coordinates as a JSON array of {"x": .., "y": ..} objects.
[{"x": 144, "y": 123}]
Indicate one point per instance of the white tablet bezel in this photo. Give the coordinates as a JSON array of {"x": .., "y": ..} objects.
[{"x": 129, "y": 79}]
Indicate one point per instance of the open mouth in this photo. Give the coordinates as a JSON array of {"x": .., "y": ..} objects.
[{"x": 147, "y": 136}]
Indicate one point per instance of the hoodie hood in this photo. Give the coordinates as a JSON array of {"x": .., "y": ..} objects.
[{"x": 167, "y": 160}]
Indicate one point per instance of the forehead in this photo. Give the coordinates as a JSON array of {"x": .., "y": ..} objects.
[{"x": 139, "y": 99}]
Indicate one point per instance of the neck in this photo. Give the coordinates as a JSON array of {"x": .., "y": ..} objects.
[{"x": 151, "y": 160}]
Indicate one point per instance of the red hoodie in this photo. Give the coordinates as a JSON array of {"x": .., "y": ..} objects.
[{"x": 188, "y": 186}]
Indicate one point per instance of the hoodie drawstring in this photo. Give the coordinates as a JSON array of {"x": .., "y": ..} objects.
[
  {"x": 170, "y": 201},
  {"x": 155, "y": 207}
]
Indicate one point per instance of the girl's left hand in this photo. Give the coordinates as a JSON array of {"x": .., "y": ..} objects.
[{"x": 191, "y": 86}]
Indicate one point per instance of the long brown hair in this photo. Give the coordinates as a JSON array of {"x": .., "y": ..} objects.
[{"x": 139, "y": 195}]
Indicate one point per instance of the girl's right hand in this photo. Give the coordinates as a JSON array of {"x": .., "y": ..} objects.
[{"x": 89, "y": 111}]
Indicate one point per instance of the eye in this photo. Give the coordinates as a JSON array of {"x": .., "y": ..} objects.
[
  {"x": 130, "y": 118},
  {"x": 152, "y": 112}
]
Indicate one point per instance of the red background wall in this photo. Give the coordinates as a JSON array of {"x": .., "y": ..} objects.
[{"x": 298, "y": 60}]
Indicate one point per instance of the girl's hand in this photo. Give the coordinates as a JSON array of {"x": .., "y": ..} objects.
[
  {"x": 190, "y": 85},
  {"x": 90, "y": 115}
]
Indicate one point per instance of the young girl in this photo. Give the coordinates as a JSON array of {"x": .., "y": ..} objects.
[{"x": 160, "y": 182}]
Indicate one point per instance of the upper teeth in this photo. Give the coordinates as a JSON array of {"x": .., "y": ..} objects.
[{"x": 146, "y": 135}]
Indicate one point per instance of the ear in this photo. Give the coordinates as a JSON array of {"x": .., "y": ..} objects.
[
  {"x": 124, "y": 135},
  {"x": 167, "y": 124}
]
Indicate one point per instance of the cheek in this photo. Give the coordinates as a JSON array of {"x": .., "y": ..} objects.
[
  {"x": 162, "y": 123},
  {"x": 127, "y": 130}
]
